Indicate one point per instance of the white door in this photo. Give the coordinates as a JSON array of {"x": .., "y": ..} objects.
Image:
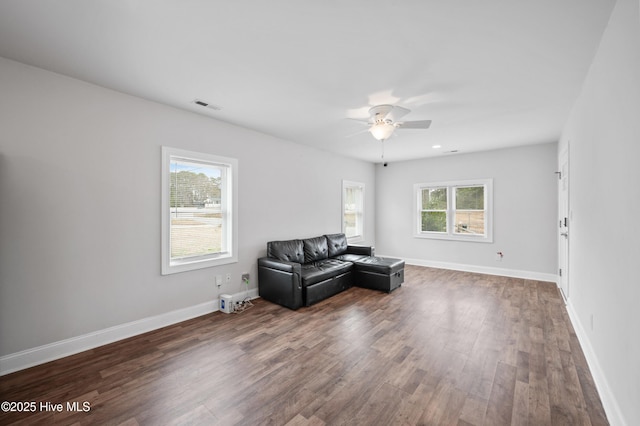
[{"x": 563, "y": 223}]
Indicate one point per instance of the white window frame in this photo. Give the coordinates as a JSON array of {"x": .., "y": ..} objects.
[
  {"x": 450, "y": 233},
  {"x": 229, "y": 202},
  {"x": 359, "y": 211}
]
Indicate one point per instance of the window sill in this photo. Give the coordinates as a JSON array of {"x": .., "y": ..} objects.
[{"x": 472, "y": 239}]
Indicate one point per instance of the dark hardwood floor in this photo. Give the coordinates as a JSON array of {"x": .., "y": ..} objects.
[{"x": 447, "y": 348}]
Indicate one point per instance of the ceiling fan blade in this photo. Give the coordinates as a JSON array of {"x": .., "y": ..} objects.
[
  {"x": 418, "y": 124},
  {"x": 397, "y": 112},
  {"x": 360, "y": 121},
  {"x": 351, "y": 135}
]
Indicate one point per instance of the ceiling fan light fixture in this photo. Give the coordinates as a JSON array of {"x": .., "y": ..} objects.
[{"x": 381, "y": 130}]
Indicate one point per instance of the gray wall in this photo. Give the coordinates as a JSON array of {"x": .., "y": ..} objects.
[
  {"x": 80, "y": 198},
  {"x": 603, "y": 135},
  {"x": 525, "y": 200}
]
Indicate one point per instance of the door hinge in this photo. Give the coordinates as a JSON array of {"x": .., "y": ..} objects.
[{"x": 560, "y": 271}]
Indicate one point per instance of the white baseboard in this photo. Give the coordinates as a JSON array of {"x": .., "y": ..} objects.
[
  {"x": 611, "y": 407},
  {"x": 513, "y": 273},
  {"x": 56, "y": 350}
]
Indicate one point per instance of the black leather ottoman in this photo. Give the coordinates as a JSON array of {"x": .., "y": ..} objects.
[{"x": 379, "y": 273}]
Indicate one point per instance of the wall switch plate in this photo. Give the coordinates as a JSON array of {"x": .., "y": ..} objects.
[{"x": 218, "y": 280}]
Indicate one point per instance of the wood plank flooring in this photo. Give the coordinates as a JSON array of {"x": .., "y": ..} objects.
[{"x": 446, "y": 348}]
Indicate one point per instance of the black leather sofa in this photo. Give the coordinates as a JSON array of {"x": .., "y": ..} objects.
[{"x": 302, "y": 272}]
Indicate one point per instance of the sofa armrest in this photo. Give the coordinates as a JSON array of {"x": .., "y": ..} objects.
[
  {"x": 280, "y": 265},
  {"x": 364, "y": 250},
  {"x": 280, "y": 282}
]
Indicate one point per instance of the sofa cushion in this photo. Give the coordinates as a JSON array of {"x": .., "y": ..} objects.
[
  {"x": 337, "y": 244},
  {"x": 379, "y": 265},
  {"x": 350, "y": 257},
  {"x": 290, "y": 250},
  {"x": 315, "y": 249},
  {"x": 321, "y": 270}
]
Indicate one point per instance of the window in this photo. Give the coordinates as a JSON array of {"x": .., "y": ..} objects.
[
  {"x": 353, "y": 211},
  {"x": 459, "y": 210},
  {"x": 434, "y": 209},
  {"x": 199, "y": 218}
]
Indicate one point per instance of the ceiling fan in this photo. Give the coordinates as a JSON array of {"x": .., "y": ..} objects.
[{"x": 384, "y": 120}]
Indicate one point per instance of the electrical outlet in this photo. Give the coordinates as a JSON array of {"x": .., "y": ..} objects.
[
  {"x": 245, "y": 278},
  {"x": 228, "y": 278}
]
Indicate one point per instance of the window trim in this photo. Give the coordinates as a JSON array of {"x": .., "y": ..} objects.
[
  {"x": 450, "y": 234},
  {"x": 359, "y": 237},
  {"x": 169, "y": 266}
]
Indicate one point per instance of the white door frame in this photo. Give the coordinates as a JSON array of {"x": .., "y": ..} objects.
[{"x": 564, "y": 217}]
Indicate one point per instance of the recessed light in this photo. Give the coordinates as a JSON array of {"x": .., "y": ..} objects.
[{"x": 436, "y": 146}]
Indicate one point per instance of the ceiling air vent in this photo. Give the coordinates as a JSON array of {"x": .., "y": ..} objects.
[{"x": 206, "y": 105}]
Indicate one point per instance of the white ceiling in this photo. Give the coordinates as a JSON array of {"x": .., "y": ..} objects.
[{"x": 490, "y": 74}]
